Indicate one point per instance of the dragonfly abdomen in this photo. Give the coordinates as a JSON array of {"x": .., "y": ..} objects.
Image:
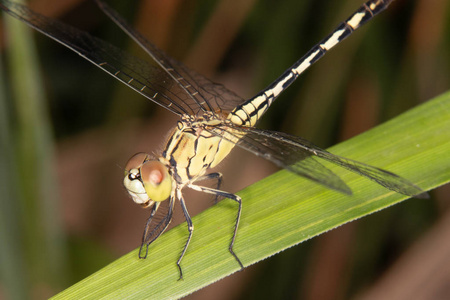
[{"x": 249, "y": 112}]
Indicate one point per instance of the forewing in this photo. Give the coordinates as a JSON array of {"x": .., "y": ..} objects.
[
  {"x": 205, "y": 95},
  {"x": 145, "y": 78},
  {"x": 299, "y": 156},
  {"x": 298, "y": 159}
]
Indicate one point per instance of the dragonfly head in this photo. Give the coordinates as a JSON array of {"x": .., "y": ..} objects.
[{"x": 146, "y": 180}]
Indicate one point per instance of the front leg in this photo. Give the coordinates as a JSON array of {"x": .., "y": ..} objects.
[{"x": 153, "y": 230}]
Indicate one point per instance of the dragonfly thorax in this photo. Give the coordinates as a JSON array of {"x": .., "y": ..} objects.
[
  {"x": 207, "y": 119},
  {"x": 146, "y": 180}
]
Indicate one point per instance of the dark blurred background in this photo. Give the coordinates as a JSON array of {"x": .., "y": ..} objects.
[{"x": 67, "y": 215}]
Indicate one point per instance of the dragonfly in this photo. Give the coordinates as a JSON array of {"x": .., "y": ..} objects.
[{"x": 213, "y": 120}]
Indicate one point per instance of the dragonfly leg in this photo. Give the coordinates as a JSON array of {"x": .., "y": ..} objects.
[
  {"x": 191, "y": 230},
  {"x": 238, "y": 217},
  {"x": 216, "y": 175},
  {"x": 154, "y": 229},
  {"x": 143, "y": 252},
  {"x": 143, "y": 255}
]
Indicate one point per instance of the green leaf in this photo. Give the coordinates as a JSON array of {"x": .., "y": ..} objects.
[{"x": 281, "y": 211}]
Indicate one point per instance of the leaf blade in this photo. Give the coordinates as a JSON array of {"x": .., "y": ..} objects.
[{"x": 283, "y": 210}]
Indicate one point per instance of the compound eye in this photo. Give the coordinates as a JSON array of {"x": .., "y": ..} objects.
[
  {"x": 132, "y": 180},
  {"x": 156, "y": 179},
  {"x": 136, "y": 161}
]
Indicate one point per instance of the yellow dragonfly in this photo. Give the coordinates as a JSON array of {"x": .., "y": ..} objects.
[{"x": 213, "y": 120}]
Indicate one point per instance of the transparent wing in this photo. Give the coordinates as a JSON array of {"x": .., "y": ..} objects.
[
  {"x": 299, "y": 156},
  {"x": 207, "y": 95},
  {"x": 145, "y": 78}
]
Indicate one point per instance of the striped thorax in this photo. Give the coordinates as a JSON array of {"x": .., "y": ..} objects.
[{"x": 189, "y": 152}]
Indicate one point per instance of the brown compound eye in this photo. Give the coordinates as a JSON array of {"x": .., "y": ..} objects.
[
  {"x": 153, "y": 172},
  {"x": 133, "y": 182},
  {"x": 156, "y": 179},
  {"x": 136, "y": 161}
]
